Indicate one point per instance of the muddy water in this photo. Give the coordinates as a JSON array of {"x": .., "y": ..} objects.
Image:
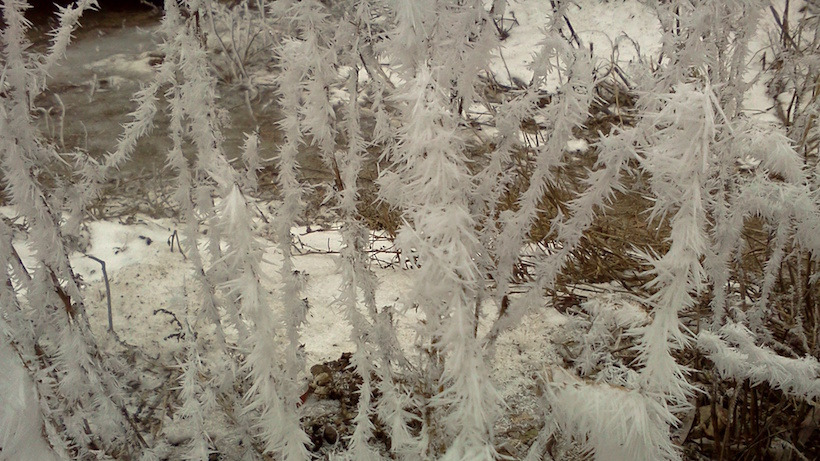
[{"x": 90, "y": 91}]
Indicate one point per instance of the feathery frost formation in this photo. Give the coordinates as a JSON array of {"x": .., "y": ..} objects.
[{"x": 490, "y": 212}]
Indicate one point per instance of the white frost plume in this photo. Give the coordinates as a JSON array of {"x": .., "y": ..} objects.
[
  {"x": 735, "y": 354},
  {"x": 614, "y": 423}
]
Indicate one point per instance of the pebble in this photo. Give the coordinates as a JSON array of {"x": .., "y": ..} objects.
[{"x": 330, "y": 435}]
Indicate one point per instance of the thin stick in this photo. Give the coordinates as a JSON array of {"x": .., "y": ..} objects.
[
  {"x": 784, "y": 26},
  {"x": 573, "y": 35},
  {"x": 222, "y": 44},
  {"x": 729, "y": 417},
  {"x": 62, "y": 119},
  {"x": 107, "y": 291},
  {"x": 175, "y": 236},
  {"x": 19, "y": 262},
  {"x": 373, "y": 67}
]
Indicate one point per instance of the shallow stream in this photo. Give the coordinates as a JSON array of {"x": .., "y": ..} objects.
[{"x": 89, "y": 96}]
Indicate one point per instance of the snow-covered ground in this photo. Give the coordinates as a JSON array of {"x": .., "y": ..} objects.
[
  {"x": 622, "y": 31},
  {"x": 146, "y": 274}
]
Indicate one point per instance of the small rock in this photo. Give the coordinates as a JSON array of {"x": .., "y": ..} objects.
[
  {"x": 318, "y": 369},
  {"x": 330, "y": 435}
]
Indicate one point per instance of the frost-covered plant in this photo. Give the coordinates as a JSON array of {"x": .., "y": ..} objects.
[
  {"x": 197, "y": 401},
  {"x": 430, "y": 185},
  {"x": 303, "y": 82},
  {"x": 615, "y": 422},
  {"x": 735, "y": 354},
  {"x": 597, "y": 337},
  {"x": 406, "y": 78},
  {"x": 792, "y": 73},
  {"x": 80, "y": 399},
  {"x": 688, "y": 142},
  {"x": 228, "y": 276},
  {"x": 567, "y": 111},
  {"x": 358, "y": 277},
  {"x": 235, "y": 268},
  {"x": 452, "y": 355}
]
